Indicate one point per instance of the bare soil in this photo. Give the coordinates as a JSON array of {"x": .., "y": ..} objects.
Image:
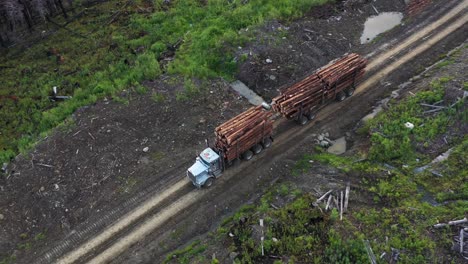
[
  {"x": 99, "y": 161},
  {"x": 83, "y": 172}
]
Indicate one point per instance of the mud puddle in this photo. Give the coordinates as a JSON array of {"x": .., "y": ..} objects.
[{"x": 375, "y": 25}]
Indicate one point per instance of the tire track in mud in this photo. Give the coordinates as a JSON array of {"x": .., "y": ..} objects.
[
  {"x": 87, "y": 229},
  {"x": 285, "y": 138}
]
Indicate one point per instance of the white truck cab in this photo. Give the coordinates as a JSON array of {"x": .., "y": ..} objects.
[{"x": 206, "y": 169}]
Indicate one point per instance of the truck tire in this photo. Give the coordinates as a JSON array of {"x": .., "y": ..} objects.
[
  {"x": 267, "y": 143},
  {"x": 303, "y": 120},
  {"x": 247, "y": 155},
  {"x": 340, "y": 96},
  {"x": 350, "y": 91},
  {"x": 257, "y": 149},
  {"x": 311, "y": 115},
  {"x": 208, "y": 183}
]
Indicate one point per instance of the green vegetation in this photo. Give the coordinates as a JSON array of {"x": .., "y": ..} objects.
[
  {"x": 392, "y": 142},
  {"x": 407, "y": 204},
  {"x": 187, "y": 254},
  {"x": 117, "y": 47},
  {"x": 298, "y": 230},
  {"x": 403, "y": 204},
  {"x": 26, "y": 244},
  {"x": 445, "y": 63},
  {"x": 126, "y": 184}
]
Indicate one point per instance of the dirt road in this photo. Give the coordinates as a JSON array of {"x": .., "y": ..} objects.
[{"x": 433, "y": 33}]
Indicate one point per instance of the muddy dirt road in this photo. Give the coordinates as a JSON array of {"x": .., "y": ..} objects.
[
  {"x": 99, "y": 172},
  {"x": 289, "y": 138}
]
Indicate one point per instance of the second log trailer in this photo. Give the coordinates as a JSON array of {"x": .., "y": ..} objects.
[{"x": 250, "y": 132}]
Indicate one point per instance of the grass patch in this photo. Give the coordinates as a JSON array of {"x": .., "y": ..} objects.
[
  {"x": 158, "y": 97},
  {"x": 297, "y": 229},
  {"x": 126, "y": 184},
  {"x": 123, "y": 53},
  {"x": 404, "y": 207},
  {"x": 444, "y": 63},
  {"x": 393, "y": 143},
  {"x": 184, "y": 255}
]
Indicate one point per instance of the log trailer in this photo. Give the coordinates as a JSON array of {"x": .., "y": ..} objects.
[{"x": 249, "y": 133}]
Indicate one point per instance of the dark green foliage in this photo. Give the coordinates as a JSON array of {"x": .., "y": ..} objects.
[
  {"x": 119, "y": 54},
  {"x": 344, "y": 251},
  {"x": 298, "y": 230},
  {"x": 392, "y": 142},
  {"x": 184, "y": 255}
]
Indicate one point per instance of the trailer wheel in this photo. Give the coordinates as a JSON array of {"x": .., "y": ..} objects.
[
  {"x": 302, "y": 120},
  {"x": 267, "y": 143},
  {"x": 349, "y": 91},
  {"x": 208, "y": 183},
  {"x": 340, "y": 96},
  {"x": 257, "y": 149},
  {"x": 311, "y": 115},
  {"x": 247, "y": 155}
]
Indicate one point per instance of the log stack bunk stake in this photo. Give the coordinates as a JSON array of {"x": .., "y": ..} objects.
[
  {"x": 242, "y": 132},
  {"x": 320, "y": 86}
]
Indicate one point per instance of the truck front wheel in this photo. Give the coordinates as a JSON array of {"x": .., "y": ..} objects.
[
  {"x": 247, "y": 155},
  {"x": 208, "y": 183}
]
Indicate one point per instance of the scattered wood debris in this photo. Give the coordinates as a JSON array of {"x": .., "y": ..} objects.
[
  {"x": 335, "y": 199},
  {"x": 461, "y": 239}
]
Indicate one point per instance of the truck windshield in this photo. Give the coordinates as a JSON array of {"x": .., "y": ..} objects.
[{"x": 204, "y": 161}]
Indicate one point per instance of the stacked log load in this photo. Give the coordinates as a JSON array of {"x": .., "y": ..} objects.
[
  {"x": 304, "y": 93},
  {"x": 321, "y": 85},
  {"x": 342, "y": 72},
  {"x": 242, "y": 132}
]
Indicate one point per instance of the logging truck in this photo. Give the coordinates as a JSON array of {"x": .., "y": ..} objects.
[
  {"x": 241, "y": 137},
  {"x": 250, "y": 132}
]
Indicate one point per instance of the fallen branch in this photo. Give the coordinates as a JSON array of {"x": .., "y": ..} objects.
[
  {"x": 328, "y": 202},
  {"x": 274, "y": 206},
  {"x": 370, "y": 253},
  {"x": 433, "y": 106},
  {"x": 118, "y": 13},
  {"x": 341, "y": 205},
  {"x": 310, "y": 31},
  {"x": 45, "y": 165},
  {"x": 346, "y": 197},
  {"x": 64, "y": 27},
  {"x": 433, "y": 110},
  {"x": 323, "y": 196},
  {"x": 457, "y": 222}
]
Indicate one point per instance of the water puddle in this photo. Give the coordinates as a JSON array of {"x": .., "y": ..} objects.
[{"x": 378, "y": 24}]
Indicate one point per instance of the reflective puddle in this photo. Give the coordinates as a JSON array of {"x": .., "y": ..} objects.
[{"x": 378, "y": 24}]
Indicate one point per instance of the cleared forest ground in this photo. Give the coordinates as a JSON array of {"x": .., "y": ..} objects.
[
  {"x": 96, "y": 162},
  {"x": 393, "y": 205}
]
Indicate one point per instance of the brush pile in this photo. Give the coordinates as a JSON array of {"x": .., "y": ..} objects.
[
  {"x": 320, "y": 86},
  {"x": 242, "y": 132}
]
